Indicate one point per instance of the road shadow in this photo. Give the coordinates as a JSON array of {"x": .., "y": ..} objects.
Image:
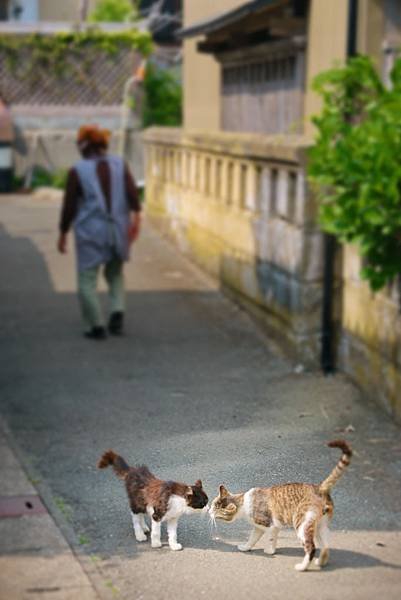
[
  {"x": 187, "y": 391},
  {"x": 339, "y": 558}
]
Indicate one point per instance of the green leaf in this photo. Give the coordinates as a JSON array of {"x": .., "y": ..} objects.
[{"x": 355, "y": 166}]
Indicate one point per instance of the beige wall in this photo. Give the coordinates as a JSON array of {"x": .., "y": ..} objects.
[
  {"x": 201, "y": 71},
  {"x": 371, "y": 29},
  {"x": 61, "y": 10},
  {"x": 327, "y": 42},
  {"x": 370, "y": 347}
]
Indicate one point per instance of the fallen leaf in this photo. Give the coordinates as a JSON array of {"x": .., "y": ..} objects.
[{"x": 348, "y": 429}]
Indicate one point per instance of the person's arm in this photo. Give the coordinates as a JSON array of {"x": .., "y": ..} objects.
[
  {"x": 68, "y": 209},
  {"x": 134, "y": 204}
]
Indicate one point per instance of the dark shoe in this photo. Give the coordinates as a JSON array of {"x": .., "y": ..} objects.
[
  {"x": 116, "y": 323},
  {"x": 96, "y": 333}
]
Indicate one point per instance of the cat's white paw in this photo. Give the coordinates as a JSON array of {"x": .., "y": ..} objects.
[
  {"x": 321, "y": 561},
  {"x": 156, "y": 544},
  {"x": 140, "y": 537},
  {"x": 301, "y": 566},
  {"x": 323, "y": 558},
  {"x": 176, "y": 546},
  {"x": 243, "y": 547},
  {"x": 271, "y": 551}
]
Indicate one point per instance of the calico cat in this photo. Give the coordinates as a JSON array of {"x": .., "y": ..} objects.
[
  {"x": 163, "y": 501},
  {"x": 307, "y": 507}
]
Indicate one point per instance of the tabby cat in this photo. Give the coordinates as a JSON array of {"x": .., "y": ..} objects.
[
  {"x": 307, "y": 507},
  {"x": 163, "y": 501}
]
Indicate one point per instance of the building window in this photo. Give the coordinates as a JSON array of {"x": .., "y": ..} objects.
[
  {"x": 282, "y": 69},
  {"x": 263, "y": 95}
]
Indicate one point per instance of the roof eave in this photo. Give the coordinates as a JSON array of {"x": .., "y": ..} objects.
[{"x": 223, "y": 19}]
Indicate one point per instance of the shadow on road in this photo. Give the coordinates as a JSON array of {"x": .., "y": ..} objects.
[
  {"x": 191, "y": 390},
  {"x": 339, "y": 558}
]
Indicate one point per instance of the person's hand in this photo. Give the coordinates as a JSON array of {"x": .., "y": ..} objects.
[
  {"x": 133, "y": 233},
  {"x": 62, "y": 243},
  {"x": 134, "y": 229}
]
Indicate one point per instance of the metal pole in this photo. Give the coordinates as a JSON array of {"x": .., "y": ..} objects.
[{"x": 330, "y": 243}]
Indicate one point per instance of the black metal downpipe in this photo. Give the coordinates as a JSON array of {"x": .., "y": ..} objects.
[{"x": 330, "y": 243}]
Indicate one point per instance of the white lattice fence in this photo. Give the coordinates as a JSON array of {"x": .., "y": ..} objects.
[{"x": 98, "y": 80}]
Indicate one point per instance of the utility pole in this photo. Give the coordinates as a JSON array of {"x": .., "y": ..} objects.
[
  {"x": 330, "y": 244},
  {"x": 83, "y": 11}
]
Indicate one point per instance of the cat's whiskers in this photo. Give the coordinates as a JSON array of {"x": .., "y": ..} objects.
[{"x": 212, "y": 526}]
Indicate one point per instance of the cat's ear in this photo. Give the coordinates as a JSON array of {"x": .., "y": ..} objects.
[
  {"x": 223, "y": 492},
  {"x": 198, "y": 483}
]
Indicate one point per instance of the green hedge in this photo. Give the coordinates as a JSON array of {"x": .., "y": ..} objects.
[
  {"x": 29, "y": 56},
  {"x": 355, "y": 165}
]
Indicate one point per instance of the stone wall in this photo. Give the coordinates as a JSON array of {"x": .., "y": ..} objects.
[
  {"x": 370, "y": 346},
  {"x": 237, "y": 204}
]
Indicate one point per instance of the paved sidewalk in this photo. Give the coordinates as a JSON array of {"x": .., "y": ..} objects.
[
  {"x": 35, "y": 559},
  {"x": 192, "y": 390}
]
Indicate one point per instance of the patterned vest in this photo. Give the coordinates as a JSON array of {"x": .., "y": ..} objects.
[{"x": 101, "y": 235}]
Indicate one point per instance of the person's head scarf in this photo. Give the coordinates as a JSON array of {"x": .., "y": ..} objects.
[{"x": 91, "y": 136}]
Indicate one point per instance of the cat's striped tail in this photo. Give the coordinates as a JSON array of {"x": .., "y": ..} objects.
[
  {"x": 338, "y": 470},
  {"x": 119, "y": 465}
]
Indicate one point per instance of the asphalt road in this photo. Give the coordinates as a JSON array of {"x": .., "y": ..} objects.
[{"x": 194, "y": 391}]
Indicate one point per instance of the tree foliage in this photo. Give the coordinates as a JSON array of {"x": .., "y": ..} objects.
[
  {"x": 355, "y": 164},
  {"x": 162, "y": 98}
]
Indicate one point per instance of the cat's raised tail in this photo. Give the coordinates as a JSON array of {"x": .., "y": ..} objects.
[
  {"x": 338, "y": 470},
  {"x": 119, "y": 465}
]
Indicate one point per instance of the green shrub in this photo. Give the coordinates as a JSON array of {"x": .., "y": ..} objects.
[
  {"x": 355, "y": 164},
  {"x": 41, "y": 177},
  {"x": 71, "y": 55},
  {"x": 162, "y": 98},
  {"x": 113, "y": 11},
  {"x": 17, "y": 182}
]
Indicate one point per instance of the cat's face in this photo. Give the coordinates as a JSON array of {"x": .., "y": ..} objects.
[
  {"x": 225, "y": 506},
  {"x": 196, "y": 497}
]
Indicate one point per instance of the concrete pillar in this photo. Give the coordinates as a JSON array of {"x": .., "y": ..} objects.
[{"x": 327, "y": 43}]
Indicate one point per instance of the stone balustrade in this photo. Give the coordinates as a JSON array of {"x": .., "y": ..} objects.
[{"x": 238, "y": 204}]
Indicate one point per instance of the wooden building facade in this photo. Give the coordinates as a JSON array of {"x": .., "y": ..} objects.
[{"x": 261, "y": 51}]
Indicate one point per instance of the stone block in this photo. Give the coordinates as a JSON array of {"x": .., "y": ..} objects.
[
  {"x": 251, "y": 188},
  {"x": 265, "y": 194},
  {"x": 374, "y": 319},
  {"x": 282, "y": 198},
  {"x": 304, "y": 209},
  {"x": 379, "y": 378}
]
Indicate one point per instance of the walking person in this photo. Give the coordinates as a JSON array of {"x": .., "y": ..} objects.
[{"x": 101, "y": 204}]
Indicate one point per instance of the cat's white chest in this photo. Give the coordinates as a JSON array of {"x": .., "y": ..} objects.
[
  {"x": 248, "y": 505},
  {"x": 177, "y": 506}
]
